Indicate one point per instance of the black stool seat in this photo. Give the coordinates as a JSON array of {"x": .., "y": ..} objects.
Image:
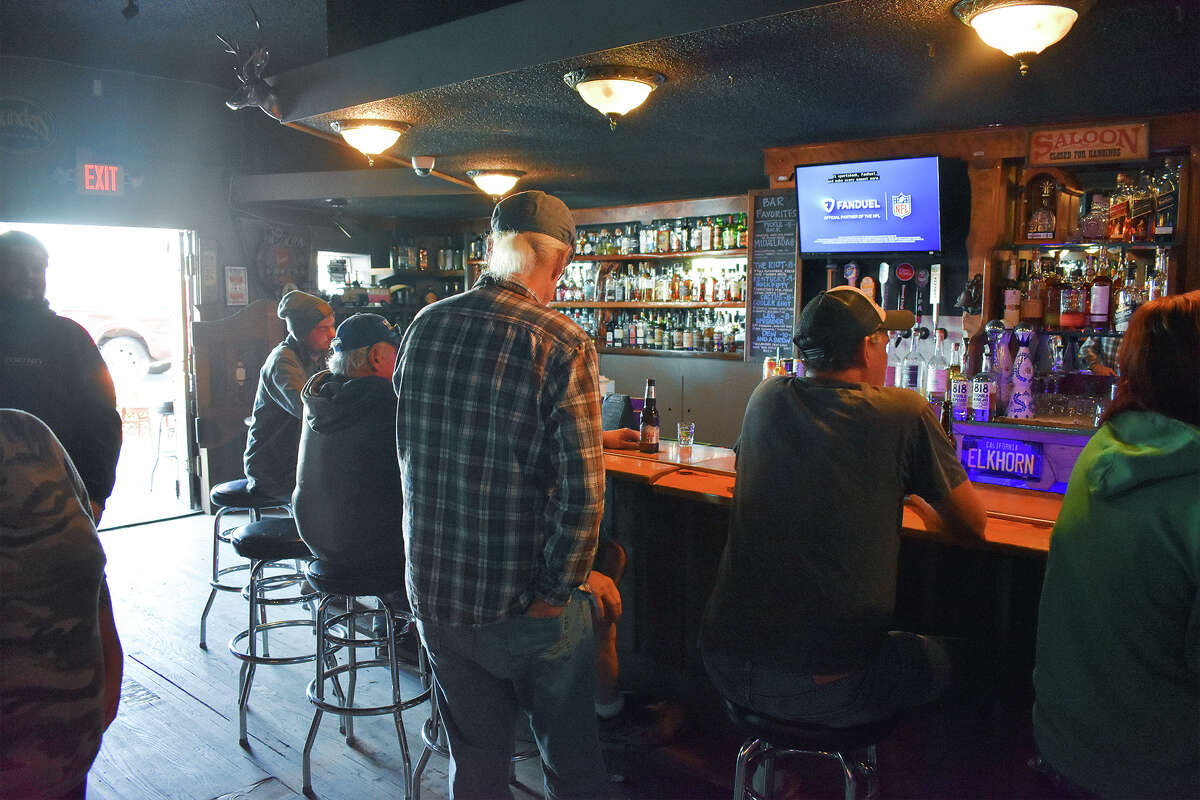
[
  {"x": 273, "y": 539},
  {"x": 796, "y": 735},
  {"x": 237, "y": 494},
  {"x": 329, "y": 578}
]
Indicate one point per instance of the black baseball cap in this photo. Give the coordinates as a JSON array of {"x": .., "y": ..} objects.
[
  {"x": 840, "y": 317},
  {"x": 364, "y": 330},
  {"x": 537, "y": 212}
]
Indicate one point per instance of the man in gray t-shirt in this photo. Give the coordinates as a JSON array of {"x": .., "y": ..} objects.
[{"x": 798, "y": 626}]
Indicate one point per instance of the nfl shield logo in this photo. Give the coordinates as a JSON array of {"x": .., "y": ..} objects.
[
  {"x": 827, "y": 205},
  {"x": 901, "y": 205}
]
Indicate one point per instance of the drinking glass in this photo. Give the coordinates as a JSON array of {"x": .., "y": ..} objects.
[{"x": 685, "y": 432}]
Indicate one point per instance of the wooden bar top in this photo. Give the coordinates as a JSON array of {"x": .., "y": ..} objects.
[{"x": 1019, "y": 520}]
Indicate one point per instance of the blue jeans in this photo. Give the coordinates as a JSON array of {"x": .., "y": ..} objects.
[
  {"x": 908, "y": 670},
  {"x": 485, "y": 674}
]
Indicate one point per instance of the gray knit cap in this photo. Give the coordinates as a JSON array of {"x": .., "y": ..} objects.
[{"x": 302, "y": 312}]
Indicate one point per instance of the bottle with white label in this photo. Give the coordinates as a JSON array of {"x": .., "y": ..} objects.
[
  {"x": 892, "y": 377},
  {"x": 960, "y": 383},
  {"x": 937, "y": 373},
  {"x": 912, "y": 368},
  {"x": 982, "y": 395}
]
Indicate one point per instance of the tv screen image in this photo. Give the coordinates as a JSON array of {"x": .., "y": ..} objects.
[{"x": 869, "y": 206}]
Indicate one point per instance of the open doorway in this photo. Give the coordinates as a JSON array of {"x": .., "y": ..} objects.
[{"x": 125, "y": 287}]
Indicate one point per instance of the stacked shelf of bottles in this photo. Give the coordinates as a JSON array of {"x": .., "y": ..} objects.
[{"x": 686, "y": 236}]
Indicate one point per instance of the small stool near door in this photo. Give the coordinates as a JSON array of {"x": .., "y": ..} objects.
[
  {"x": 339, "y": 630},
  {"x": 772, "y": 738},
  {"x": 232, "y": 497}
]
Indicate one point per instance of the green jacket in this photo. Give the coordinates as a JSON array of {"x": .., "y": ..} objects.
[{"x": 1117, "y": 680}]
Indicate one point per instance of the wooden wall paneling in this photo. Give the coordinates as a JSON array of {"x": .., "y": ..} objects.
[{"x": 990, "y": 224}]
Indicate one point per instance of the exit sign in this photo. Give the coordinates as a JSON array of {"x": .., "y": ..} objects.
[{"x": 99, "y": 178}]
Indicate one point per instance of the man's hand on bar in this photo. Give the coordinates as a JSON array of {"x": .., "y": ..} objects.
[
  {"x": 621, "y": 439},
  {"x": 606, "y": 598}
]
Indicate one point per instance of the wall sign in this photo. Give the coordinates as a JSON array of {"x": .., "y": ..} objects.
[
  {"x": 24, "y": 125},
  {"x": 237, "y": 287},
  {"x": 1089, "y": 144},
  {"x": 106, "y": 179},
  {"x": 772, "y": 313},
  {"x": 1002, "y": 458}
]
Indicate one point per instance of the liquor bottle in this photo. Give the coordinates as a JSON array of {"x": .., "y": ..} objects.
[
  {"x": 718, "y": 233},
  {"x": 946, "y": 418},
  {"x": 1139, "y": 223},
  {"x": 1166, "y": 201},
  {"x": 1073, "y": 299},
  {"x": 706, "y": 232},
  {"x": 648, "y": 435},
  {"x": 1010, "y": 292},
  {"x": 1093, "y": 226},
  {"x": 937, "y": 373},
  {"x": 608, "y": 335},
  {"x": 960, "y": 383},
  {"x": 729, "y": 239},
  {"x": 1100, "y": 300},
  {"x": 743, "y": 233},
  {"x": 1002, "y": 364},
  {"x": 1032, "y": 299},
  {"x": 1042, "y": 220},
  {"x": 689, "y": 338},
  {"x": 1158, "y": 277},
  {"x": 1051, "y": 291},
  {"x": 1118, "y": 208},
  {"x": 912, "y": 368},
  {"x": 618, "y": 329},
  {"x": 982, "y": 396},
  {"x": 892, "y": 376},
  {"x": 1128, "y": 298},
  {"x": 1020, "y": 402}
]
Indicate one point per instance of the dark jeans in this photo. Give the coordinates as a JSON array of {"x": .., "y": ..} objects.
[
  {"x": 909, "y": 670},
  {"x": 485, "y": 674}
]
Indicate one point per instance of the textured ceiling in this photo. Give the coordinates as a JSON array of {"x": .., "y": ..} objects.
[{"x": 830, "y": 71}]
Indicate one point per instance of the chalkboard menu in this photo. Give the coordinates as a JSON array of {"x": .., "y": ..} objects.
[{"x": 772, "y": 315}]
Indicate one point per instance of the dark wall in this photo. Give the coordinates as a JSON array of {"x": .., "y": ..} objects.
[{"x": 352, "y": 24}]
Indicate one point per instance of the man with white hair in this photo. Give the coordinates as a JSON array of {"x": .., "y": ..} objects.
[
  {"x": 347, "y": 479},
  {"x": 499, "y": 441}
]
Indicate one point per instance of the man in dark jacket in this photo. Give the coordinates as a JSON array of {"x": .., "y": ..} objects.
[
  {"x": 50, "y": 367},
  {"x": 348, "y": 494},
  {"x": 274, "y": 437}
]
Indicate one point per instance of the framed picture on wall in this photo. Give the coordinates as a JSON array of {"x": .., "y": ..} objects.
[{"x": 237, "y": 287}]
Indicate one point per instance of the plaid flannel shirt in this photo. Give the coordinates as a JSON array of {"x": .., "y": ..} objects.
[{"x": 498, "y": 436}]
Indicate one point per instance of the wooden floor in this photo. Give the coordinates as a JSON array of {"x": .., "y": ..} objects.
[{"x": 176, "y": 733}]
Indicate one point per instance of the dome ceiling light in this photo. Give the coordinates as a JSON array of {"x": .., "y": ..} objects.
[
  {"x": 613, "y": 91},
  {"x": 1021, "y": 28},
  {"x": 370, "y": 136},
  {"x": 495, "y": 182}
]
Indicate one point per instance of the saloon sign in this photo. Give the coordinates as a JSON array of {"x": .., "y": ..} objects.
[
  {"x": 24, "y": 125},
  {"x": 1090, "y": 144}
]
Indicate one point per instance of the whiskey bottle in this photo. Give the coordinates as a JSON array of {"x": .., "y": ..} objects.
[
  {"x": 1118, "y": 208},
  {"x": 1093, "y": 226},
  {"x": 1166, "y": 201},
  {"x": 1010, "y": 294},
  {"x": 1051, "y": 292},
  {"x": 1139, "y": 224},
  {"x": 1100, "y": 300},
  {"x": 1042, "y": 220},
  {"x": 1032, "y": 298}
]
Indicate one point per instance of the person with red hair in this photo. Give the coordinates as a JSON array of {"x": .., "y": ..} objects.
[{"x": 1117, "y": 677}]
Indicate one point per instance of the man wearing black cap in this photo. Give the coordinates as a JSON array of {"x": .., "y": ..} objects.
[
  {"x": 347, "y": 480},
  {"x": 498, "y": 434},
  {"x": 799, "y": 623},
  {"x": 274, "y": 436}
]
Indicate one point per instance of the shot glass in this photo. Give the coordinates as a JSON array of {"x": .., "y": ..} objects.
[{"x": 685, "y": 433}]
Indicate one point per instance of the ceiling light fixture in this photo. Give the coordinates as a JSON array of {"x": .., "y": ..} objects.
[
  {"x": 495, "y": 181},
  {"x": 370, "y": 136},
  {"x": 1021, "y": 28},
  {"x": 613, "y": 91}
]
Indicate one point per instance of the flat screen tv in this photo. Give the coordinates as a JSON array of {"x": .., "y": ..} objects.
[{"x": 869, "y": 206}]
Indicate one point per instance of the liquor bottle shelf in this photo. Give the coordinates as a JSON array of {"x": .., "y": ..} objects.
[
  {"x": 1040, "y": 245},
  {"x": 740, "y": 252},
  {"x": 672, "y": 305},
  {"x": 638, "y": 351},
  {"x": 428, "y": 273}
]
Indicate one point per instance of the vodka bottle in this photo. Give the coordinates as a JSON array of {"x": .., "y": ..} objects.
[
  {"x": 937, "y": 373},
  {"x": 960, "y": 385},
  {"x": 912, "y": 368},
  {"x": 892, "y": 377}
]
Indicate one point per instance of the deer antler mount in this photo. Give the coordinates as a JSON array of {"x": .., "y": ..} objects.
[{"x": 254, "y": 91}]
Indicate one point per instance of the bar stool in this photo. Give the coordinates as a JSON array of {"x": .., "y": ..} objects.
[
  {"x": 336, "y": 631},
  {"x": 263, "y": 543},
  {"x": 772, "y": 738},
  {"x": 231, "y": 497}
]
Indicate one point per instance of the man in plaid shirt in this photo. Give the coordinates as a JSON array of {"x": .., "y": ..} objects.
[{"x": 498, "y": 436}]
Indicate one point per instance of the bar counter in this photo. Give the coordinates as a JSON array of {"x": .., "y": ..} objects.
[
  {"x": 670, "y": 510},
  {"x": 1018, "y": 520}
]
